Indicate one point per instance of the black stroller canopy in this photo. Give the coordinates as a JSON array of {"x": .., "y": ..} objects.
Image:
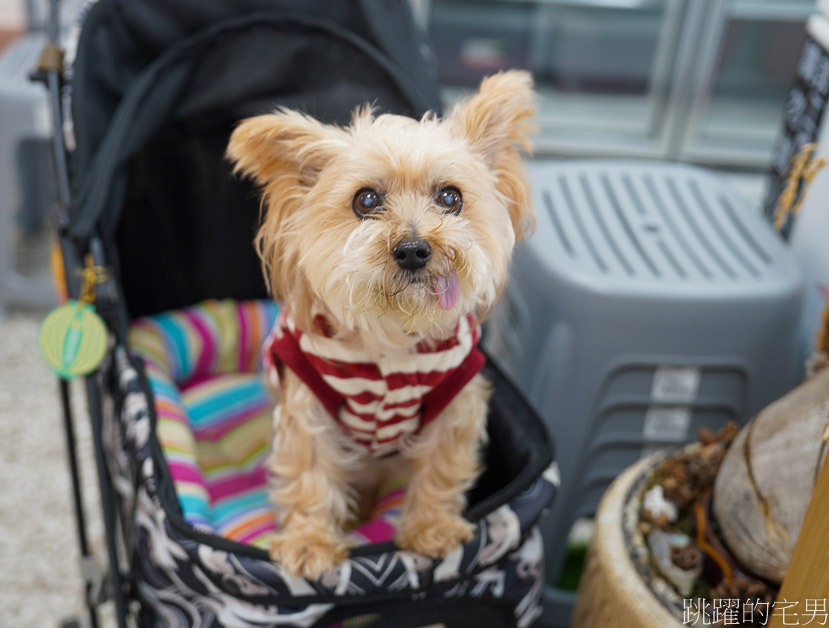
[{"x": 159, "y": 85}]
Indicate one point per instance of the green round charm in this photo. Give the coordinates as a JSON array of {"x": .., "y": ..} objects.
[{"x": 73, "y": 339}]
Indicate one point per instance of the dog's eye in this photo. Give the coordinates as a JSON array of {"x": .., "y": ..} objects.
[
  {"x": 366, "y": 202},
  {"x": 450, "y": 200}
]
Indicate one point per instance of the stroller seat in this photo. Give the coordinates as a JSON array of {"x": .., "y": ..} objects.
[
  {"x": 180, "y": 391},
  {"x": 180, "y": 415},
  {"x": 214, "y": 415}
]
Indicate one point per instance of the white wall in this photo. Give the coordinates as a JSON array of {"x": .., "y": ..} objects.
[{"x": 12, "y": 15}]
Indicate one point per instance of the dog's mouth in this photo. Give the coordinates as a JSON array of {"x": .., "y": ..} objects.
[
  {"x": 424, "y": 272},
  {"x": 447, "y": 289}
]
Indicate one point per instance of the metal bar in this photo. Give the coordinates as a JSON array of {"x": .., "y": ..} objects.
[
  {"x": 696, "y": 56},
  {"x": 54, "y": 83},
  {"x": 791, "y": 11},
  {"x": 664, "y": 58},
  {"x": 77, "y": 493},
  {"x": 599, "y": 4},
  {"x": 107, "y": 505}
]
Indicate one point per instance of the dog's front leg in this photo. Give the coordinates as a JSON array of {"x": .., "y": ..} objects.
[
  {"x": 309, "y": 489},
  {"x": 445, "y": 463}
]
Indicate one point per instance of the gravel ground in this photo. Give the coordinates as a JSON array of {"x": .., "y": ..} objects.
[{"x": 40, "y": 581}]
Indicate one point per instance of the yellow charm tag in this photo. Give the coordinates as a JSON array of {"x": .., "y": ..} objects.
[{"x": 73, "y": 338}]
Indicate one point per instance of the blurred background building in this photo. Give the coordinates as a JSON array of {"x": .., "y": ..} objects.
[
  {"x": 697, "y": 81},
  {"x": 702, "y": 81}
]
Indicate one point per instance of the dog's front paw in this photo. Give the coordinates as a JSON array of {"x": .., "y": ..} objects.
[
  {"x": 434, "y": 534},
  {"x": 309, "y": 552}
]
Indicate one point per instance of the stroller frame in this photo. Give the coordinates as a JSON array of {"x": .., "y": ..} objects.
[
  {"x": 116, "y": 583},
  {"x": 113, "y": 584}
]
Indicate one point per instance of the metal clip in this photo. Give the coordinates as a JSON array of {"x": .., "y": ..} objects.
[
  {"x": 91, "y": 276},
  {"x": 51, "y": 59},
  {"x": 93, "y": 576},
  {"x": 802, "y": 170}
]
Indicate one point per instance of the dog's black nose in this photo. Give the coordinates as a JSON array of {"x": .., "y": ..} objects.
[{"x": 412, "y": 253}]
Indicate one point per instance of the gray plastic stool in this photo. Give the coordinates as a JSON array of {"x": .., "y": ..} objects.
[
  {"x": 25, "y": 178},
  {"x": 650, "y": 302}
]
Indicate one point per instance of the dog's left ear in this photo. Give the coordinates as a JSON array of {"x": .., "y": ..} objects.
[{"x": 497, "y": 123}]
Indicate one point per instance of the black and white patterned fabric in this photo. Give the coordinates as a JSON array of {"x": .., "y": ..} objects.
[{"x": 184, "y": 577}]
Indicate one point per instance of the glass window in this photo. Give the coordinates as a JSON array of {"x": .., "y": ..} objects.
[
  {"x": 602, "y": 67},
  {"x": 738, "y": 109},
  {"x": 697, "y": 80}
]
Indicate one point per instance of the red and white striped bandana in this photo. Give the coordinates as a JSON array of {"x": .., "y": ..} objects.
[{"x": 380, "y": 402}]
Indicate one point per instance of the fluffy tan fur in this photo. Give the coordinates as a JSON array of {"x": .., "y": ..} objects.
[{"x": 320, "y": 258}]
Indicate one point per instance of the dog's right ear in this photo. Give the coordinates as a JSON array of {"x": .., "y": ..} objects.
[{"x": 284, "y": 143}]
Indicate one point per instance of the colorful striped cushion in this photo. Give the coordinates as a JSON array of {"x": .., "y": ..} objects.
[{"x": 214, "y": 418}]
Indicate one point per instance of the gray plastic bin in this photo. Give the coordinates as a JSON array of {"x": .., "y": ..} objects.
[
  {"x": 25, "y": 173},
  {"x": 650, "y": 302}
]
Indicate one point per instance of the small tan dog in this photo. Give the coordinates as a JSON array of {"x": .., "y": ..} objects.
[{"x": 387, "y": 242}]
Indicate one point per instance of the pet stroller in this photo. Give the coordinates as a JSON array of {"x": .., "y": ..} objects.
[{"x": 178, "y": 410}]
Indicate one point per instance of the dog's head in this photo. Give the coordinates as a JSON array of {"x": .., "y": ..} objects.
[{"x": 393, "y": 223}]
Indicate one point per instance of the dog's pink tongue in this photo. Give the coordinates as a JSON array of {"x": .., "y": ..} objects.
[{"x": 447, "y": 289}]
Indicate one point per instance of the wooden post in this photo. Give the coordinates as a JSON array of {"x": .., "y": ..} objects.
[{"x": 807, "y": 576}]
